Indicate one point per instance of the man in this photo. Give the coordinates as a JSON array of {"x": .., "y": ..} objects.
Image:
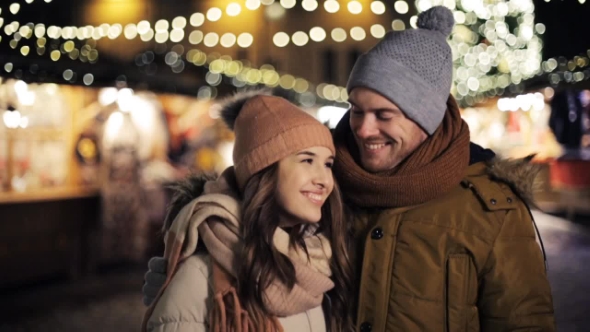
[{"x": 445, "y": 240}]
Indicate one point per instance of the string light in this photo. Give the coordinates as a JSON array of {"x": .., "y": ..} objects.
[
  {"x": 401, "y": 7},
  {"x": 515, "y": 54},
  {"x": 338, "y": 35},
  {"x": 280, "y": 39},
  {"x": 245, "y": 40},
  {"x": 331, "y": 6},
  {"x": 288, "y": 4},
  {"x": 377, "y": 7},
  {"x": 214, "y": 14},
  {"x": 357, "y": 33},
  {"x": 355, "y": 7},
  {"x": 300, "y": 38},
  {"x": 317, "y": 34},
  {"x": 233, "y": 9},
  {"x": 398, "y": 25},
  {"x": 252, "y": 4},
  {"x": 309, "y": 5}
]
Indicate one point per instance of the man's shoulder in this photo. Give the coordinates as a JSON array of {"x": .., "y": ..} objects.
[{"x": 503, "y": 184}]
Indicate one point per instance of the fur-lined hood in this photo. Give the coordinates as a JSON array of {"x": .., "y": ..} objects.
[
  {"x": 184, "y": 191},
  {"x": 520, "y": 174},
  {"x": 195, "y": 185}
]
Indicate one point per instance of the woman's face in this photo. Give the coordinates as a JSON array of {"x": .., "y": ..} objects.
[{"x": 304, "y": 183}]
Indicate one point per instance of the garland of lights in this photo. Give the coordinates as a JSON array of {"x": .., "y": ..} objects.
[
  {"x": 569, "y": 71},
  {"x": 489, "y": 54}
]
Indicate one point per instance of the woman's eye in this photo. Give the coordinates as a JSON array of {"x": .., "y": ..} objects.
[
  {"x": 309, "y": 161},
  {"x": 329, "y": 165}
]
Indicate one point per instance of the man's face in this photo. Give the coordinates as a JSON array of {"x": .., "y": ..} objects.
[{"x": 384, "y": 135}]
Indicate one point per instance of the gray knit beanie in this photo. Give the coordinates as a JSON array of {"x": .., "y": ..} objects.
[{"x": 412, "y": 68}]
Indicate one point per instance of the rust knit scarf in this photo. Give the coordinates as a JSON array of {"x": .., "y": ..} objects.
[{"x": 432, "y": 170}]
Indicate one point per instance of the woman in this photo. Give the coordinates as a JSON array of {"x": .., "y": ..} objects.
[{"x": 278, "y": 260}]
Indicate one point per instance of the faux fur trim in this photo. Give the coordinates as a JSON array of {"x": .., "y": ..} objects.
[
  {"x": 184, "y": 191},
  {"x": 231, "y": 106},
  {"x": 520, "y": 174}
]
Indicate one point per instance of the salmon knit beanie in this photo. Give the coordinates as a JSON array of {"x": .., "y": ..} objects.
[{"x": 267, "y": 129}]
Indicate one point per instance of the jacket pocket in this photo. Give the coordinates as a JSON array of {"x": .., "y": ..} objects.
[{"x": 461, "y": 294}]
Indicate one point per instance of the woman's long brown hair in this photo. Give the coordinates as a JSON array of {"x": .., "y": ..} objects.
[{"x": 261, "y": 263}]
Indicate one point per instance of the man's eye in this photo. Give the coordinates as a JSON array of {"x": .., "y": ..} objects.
[{"x": 384, "y": 116}]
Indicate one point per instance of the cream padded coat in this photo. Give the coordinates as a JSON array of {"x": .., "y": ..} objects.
[{"x": 185, "y": 304}]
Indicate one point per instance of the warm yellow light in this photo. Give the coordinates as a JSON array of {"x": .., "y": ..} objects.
[
  {"x": 69, "y": 46},
  {"x": 14, "y": 8},
  {"x": 214, "y": 14},
  {"x": 211, "y": 39},
  {"x": 253, "y": 76},
  {"x": 130, "y": 31},
  {"x": 179, "y": 22},
  {"x": 309, "y": 5},
  {"x": 161, "y": 25},
  {"x": 377, "y": 7},
  {"x": 197, "y": 19},
  {"x": 270, "y": 78},
  {"x": 228, "y": 40},
  {"x": 301, "y": 85},
  {"x": 267, "y": 2},
  {"x": 93, "y": 55},
  {"x": 233, "y": 9},
  {"x": 401, "y": 7},
  {"x": 378, "y": 31},
  {"x": 339, "y": 35},
  {"x": 143, "y": 27},
  {"x": 287, "y": 82},
  {"x": 288, "y": 4},
  {"x": 398, "y": 25},
  {"x": 355, "y": 7},
  {"x": 53, "y": 32},
  {"x": 68, "y": 32},
  {"x": 149, "y": 35},
  {"x": 414, "y": 21},
  {"x": 217, "y": 66},
  {"x": 245, "y": 40},
  {"x": 82, "y": 31},
  {"x": 317, "y": 34},
  {"x": 281, "y": 39},
  {"x": 252, "y": 4},
  {"x": 55, "y": 55},
  {"x": 25, "y": 50},
  {"x": 331, "y": 6},
  {"x": 24, "y": 31},
  {"x": 195, "y": 37},
  {"x": 176, "y": 35},
  {"x": 358, "y": 33},
  {"x": 300, "y": 38},
  {"x": 161, "y": 37},
  {"x": 115, "y": 31}
]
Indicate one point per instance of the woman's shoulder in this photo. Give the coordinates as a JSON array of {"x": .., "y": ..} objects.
[
  {"x": 187, "y": 299},
  {"x": 312, "y": 320}
]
